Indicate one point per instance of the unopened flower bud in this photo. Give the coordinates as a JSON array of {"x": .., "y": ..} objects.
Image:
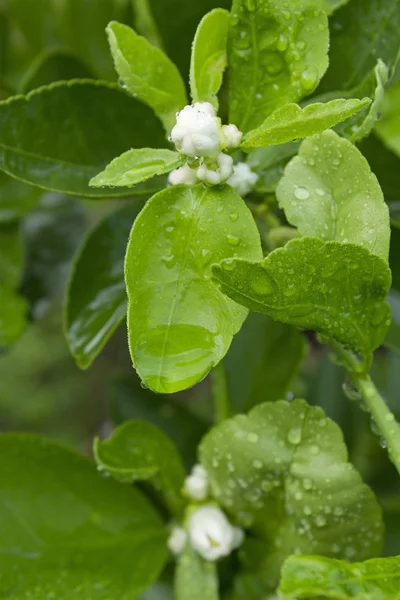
[
  {"x": 211, "y": 534},
  {"x": 233, "y": 136},
  {"x": 177, "y": 540},
  {"x": 220, "y": 174},
  {"x": 197, "y": 130},
  {"x": 183, "y": 175},
  {"x": 196, "y": 484},
  {"x": 243, "y": 179}
]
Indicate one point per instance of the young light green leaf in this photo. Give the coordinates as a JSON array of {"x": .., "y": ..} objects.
[
  {"x": 209, "y": 56},
  {"x": 278, "y": 53},
  {"x": 290, "y": 122},
  {"x": 328, "y": 191},
  {"x": 55, "y": 157},
  {"x": 335, "y": 289},
  {"x": 66, "y": 530},
  {"x": 179, "y": 324},
  {"x": 139, "y": 451},
  {"x": 96, "y": 299},
  {"x": 263, "y": 361},
  {"x": 283, "y": 471},
  {"x": 315, "y": 576},
  {"x": 269, "y": 164},
  {"x": 388, "y": 128},
  {"x": 332, "y": 5},
  {"x": 195, "y": 578},
  {"x": 361, "y": 32},
  {"x": 147, "y": 73},
  {"x": 136, "y": 166}
]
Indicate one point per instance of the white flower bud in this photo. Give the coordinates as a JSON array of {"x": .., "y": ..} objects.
[
  {"x": 196, "y": 484},
  {"x": 216, "y": 176},
  {"x": 177, "y": 540},
  {"x": 183, "y": 175},
  {"x": 197, "y": 130},
  {"x": 233, "y": 136},
  {"x": 211, "y": 534},
  {"x": 243, "y": 179}
]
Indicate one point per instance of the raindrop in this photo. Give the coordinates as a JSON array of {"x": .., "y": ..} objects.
[
  {"x": 301, "y": 193},
  {"x": 294, "y": 436},
  {"x": 233, "y": 240},
  {"x": 234, "y": 216},
  {"x": 309, "y": 78}
]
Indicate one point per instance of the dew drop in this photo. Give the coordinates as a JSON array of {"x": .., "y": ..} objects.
[
  {"x": 301, "y": 193},
  {"x": 309, "y": 78},
  {"x": 234, "y": 216},
  {"x": 233, "y": 240},
  {"x": 294, "y": 436}
]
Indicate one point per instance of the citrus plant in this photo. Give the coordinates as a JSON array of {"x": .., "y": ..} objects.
[{"x": 266, "y": 183}]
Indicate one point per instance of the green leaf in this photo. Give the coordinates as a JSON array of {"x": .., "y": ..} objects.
[
  {"x": 328, "y": 191},
  {"x": 388, "y": 128},
  {"x": 386, "y": 166},
  {"x": 269, "y": 164},
  {"x": 316, "y": 576},
  {"x": 335, "y": 289},
  {"x": 278, "y": 53},
  {"x": 96, "y": 299},
  {"x": 147, "y": 73},
  {"x": 209, "y": 56},
  {"x": 16, "y": 198},
  {"x": 13, "y": 316},
  {"x": 283, "y": 471},
  {"x": 263, "y": 361},
  {"x": 290, "y": 122},
  {"x": 139, "y": 451},
  {"x": 136, "y": 166},
  {"x": 53, "y": 65},
  {"x": 332, "y": 5},
  {"x": 67, "y": 531},
  {"x": 87, "y": 124},
  {"x": 179, "y": 324},
  {"x": 361, "y": 32},
  {"x": 195, "y": 578}
]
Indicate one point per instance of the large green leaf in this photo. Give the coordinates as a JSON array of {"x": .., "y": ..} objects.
[
  {"x": 67, "y": 531},
  {"x": 16, "y": 198},
  {"x": 147, "y": 72},
  {"x": 136, "y": 166},
  {"x": 315, "y": 576},
  {"x": 139, "y": 451},
  {"x": 283, "y": 471},
  {"x": 335, "y": 289},
  {"x": 290, "y": 122},
  {"x": 278, "y": 53},
  {"x": 209, "y": 56},
  {"x": 195, "y": 578},
  {"x": 53, "y": 65},
  {"x": 361, "y": 32},
  {"x": 96, "y": 299},
  {"x": 179, "y": 324},
  {"x": 388, "y": 128},
  {"x": 87, "y": 124},
  {"x": 263, "y": 361},
  {"x": 328, "y": 191}
]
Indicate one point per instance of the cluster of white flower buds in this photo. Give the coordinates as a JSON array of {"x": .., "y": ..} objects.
[
  {"x": 199, "y": 135},
  {"x": 208, "y": 530}
]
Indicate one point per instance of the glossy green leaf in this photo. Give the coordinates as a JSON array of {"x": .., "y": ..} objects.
[
  {"x": 53, "y": 65},
  {"x": 67, "y": 531},
  {"x": 328, "y": 191},
  {"x": 209, "y": 56},
  {"x": 269, "y": 164},
  {"x": 290, "y": 122},
  {"x": 147, "y": 72},
  {"x": 179, "y": 324},
  {"x": 263, "y": 361},
  {"x": 139, "y": 451},
  {"x": 335, "y": 289},
  {"x": 278, "y": 53},
  {"x": 87, "y": 125},
  {"x": 388, "y": 128},
  {"x": 195, "y": 578},
  {"x": 136, "y": 166},
  {"x": 96, "y": 299},
  {"x": 283, "y": 471},
  {"x": 16, "y": 198},
  {"x": 361, "y": 32},
  {"x": 315, "y": 576}
]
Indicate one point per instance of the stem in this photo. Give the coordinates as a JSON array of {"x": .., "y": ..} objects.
[
  {"x": 374, "y": 402},
  {"x": 222, "y": 409}
]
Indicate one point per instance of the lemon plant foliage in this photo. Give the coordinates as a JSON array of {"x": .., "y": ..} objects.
[{"x": 265, "y": 191}]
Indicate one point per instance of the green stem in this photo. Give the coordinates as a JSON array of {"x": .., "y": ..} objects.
[
  {"x": 374, "y": 402},
  {"x": 222, "y": 409}
]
